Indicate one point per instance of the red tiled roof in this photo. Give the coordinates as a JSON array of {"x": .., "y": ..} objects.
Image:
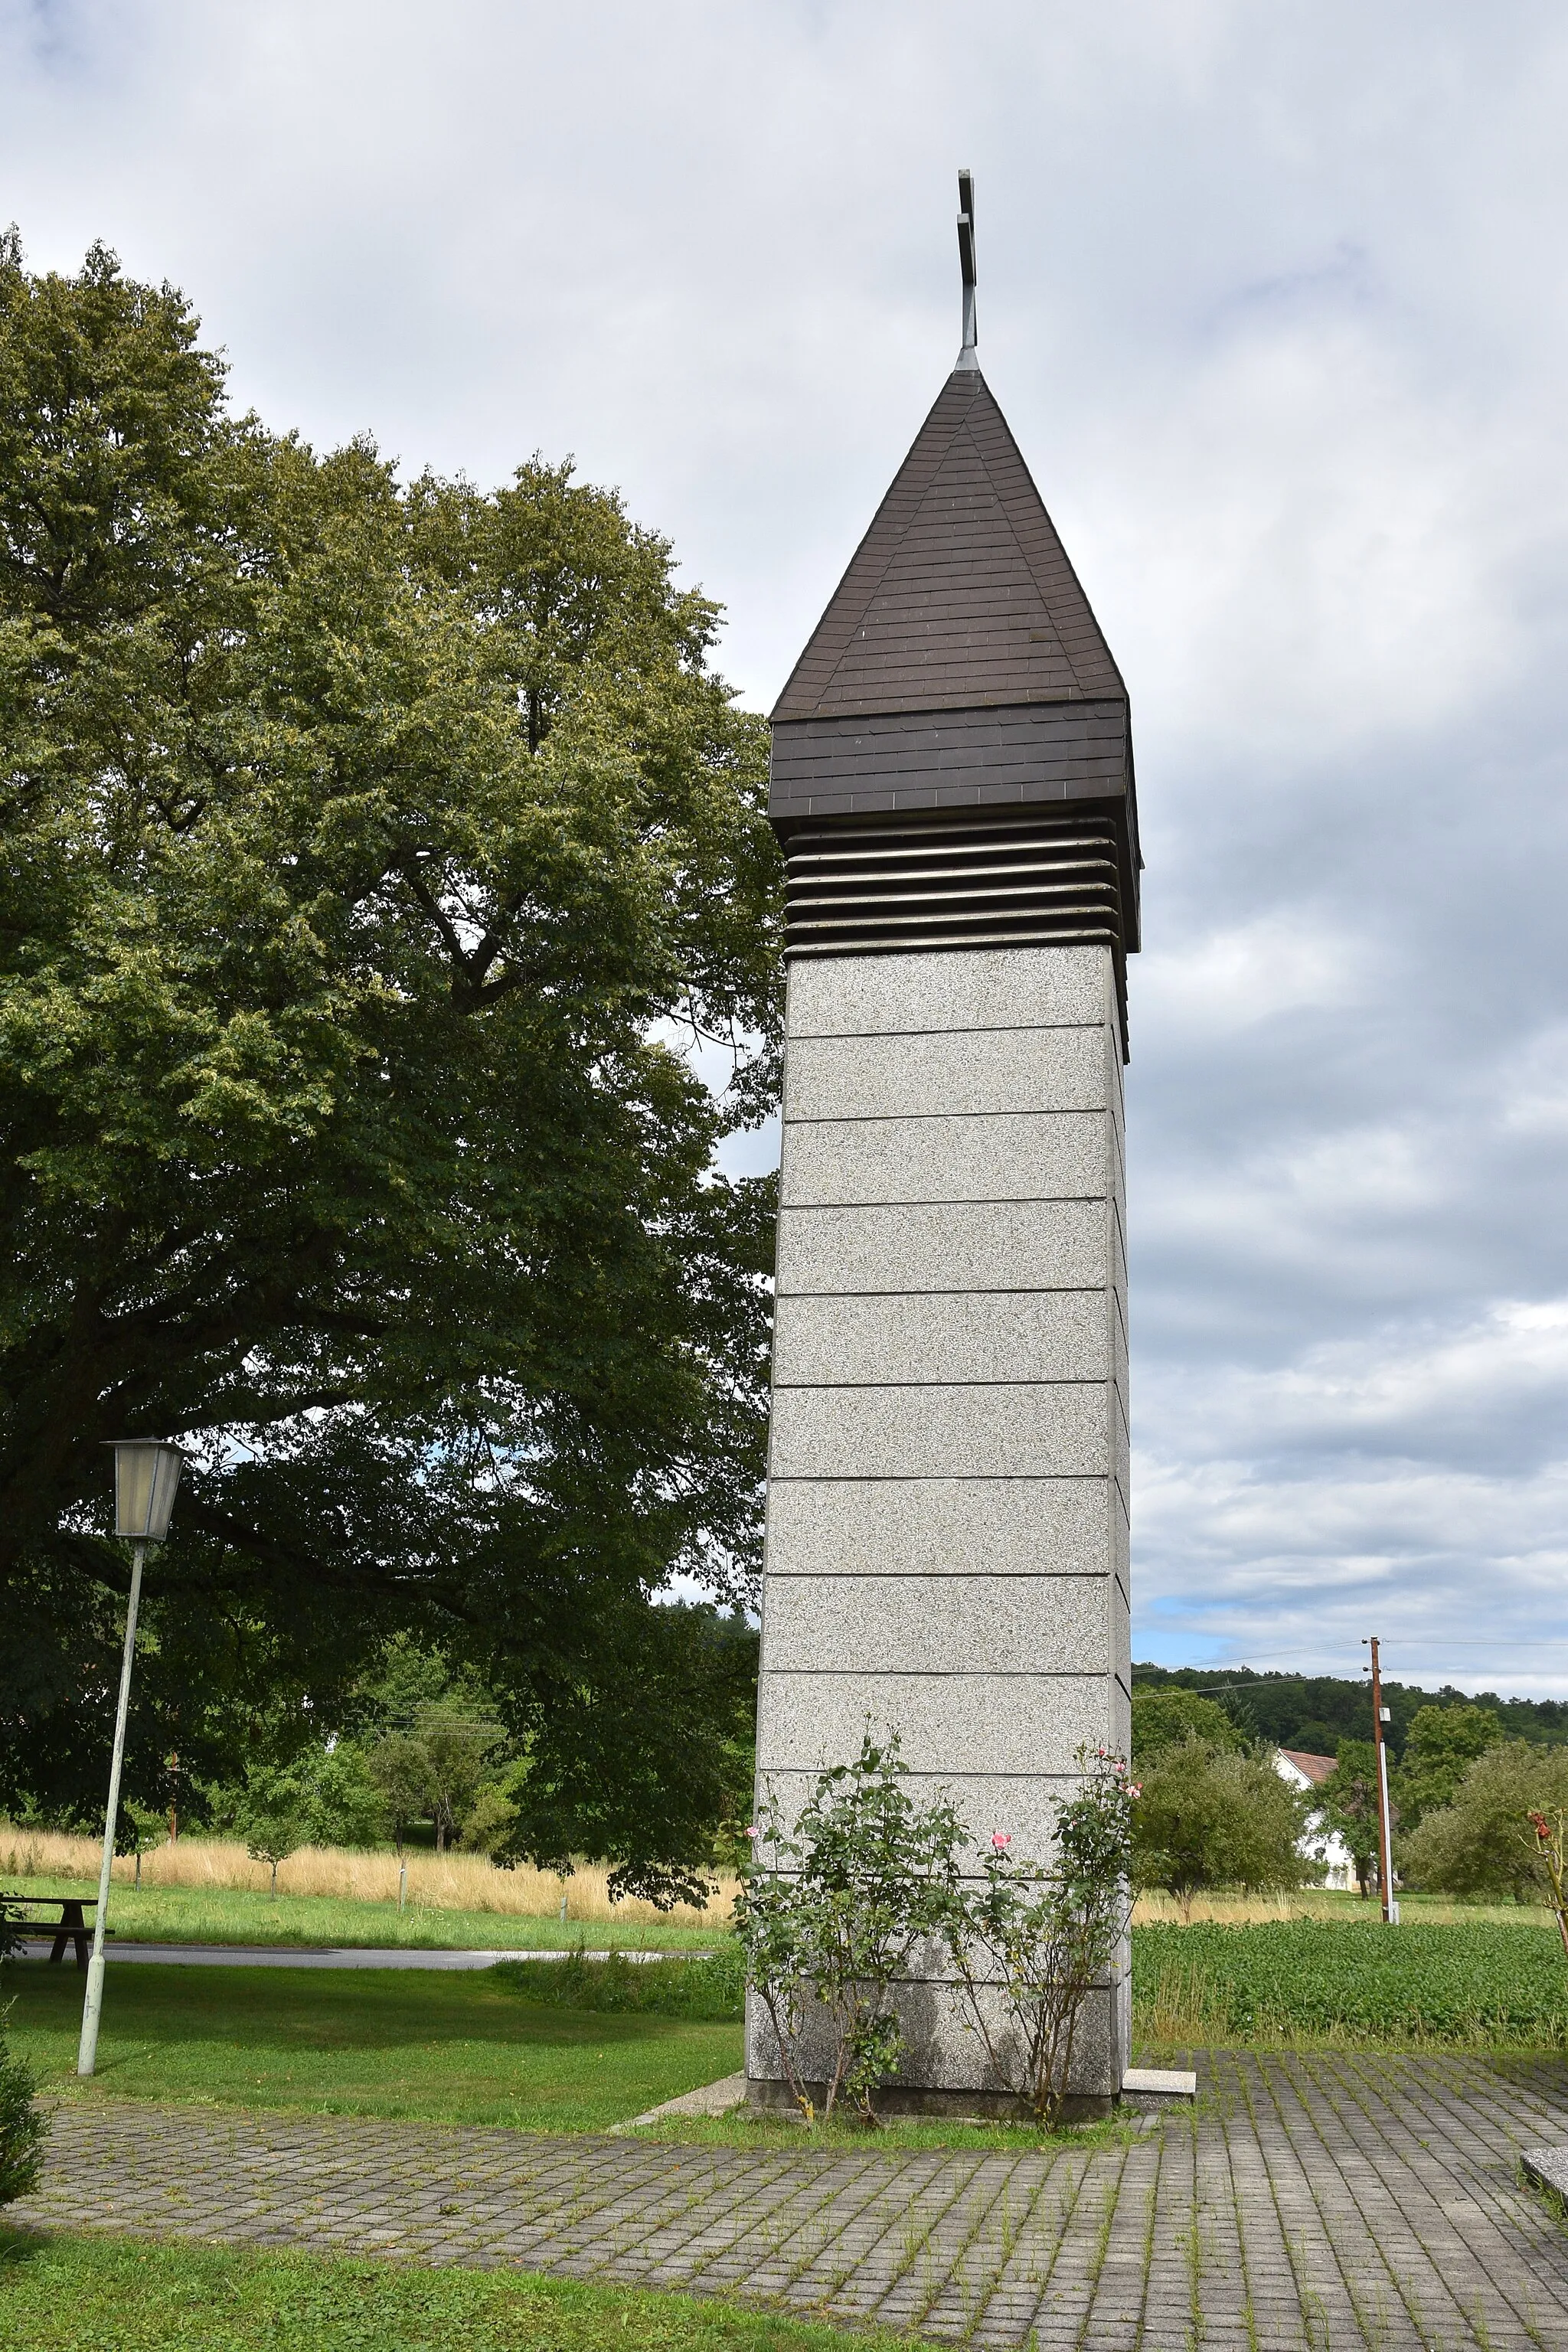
[{"x": 1316, "y": 1768}]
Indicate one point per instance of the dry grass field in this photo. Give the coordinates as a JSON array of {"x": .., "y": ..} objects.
[
  {"x": 1318, "y": 1902},
  {"x": 449, "y": 1881},
  {"x": 470, "y": 1883}
]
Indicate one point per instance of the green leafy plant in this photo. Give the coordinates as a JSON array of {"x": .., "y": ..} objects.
[
  {"x": 136, "y": 1830},
  {"x": 21, "y": 2126},
  {"x": 830, "y": 1912},
  {"x": 1038, "y": 1940},
  {"x": 1550, "y": 1836},
  {"x": 1481, "y": 1983}
]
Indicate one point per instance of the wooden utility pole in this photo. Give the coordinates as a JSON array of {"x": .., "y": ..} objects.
[{"x": 1384, "y": 1837}]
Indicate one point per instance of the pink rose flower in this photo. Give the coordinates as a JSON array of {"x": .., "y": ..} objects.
[
  {"x": 750, "y": 1828},
  {"x": 1000, "y": 1839}
]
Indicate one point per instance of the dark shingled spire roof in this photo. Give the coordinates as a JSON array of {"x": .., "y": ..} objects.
[{"x": 961, "y": 595}]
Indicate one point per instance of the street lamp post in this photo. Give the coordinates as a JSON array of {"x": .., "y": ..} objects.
[{"x": 146, "y": 1472}]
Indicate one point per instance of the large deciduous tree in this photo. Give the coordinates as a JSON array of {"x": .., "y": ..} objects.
[{"x": 370, "y": 847}]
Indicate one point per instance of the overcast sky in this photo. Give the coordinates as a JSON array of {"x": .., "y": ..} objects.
[{"x": 1273, "y": 299}]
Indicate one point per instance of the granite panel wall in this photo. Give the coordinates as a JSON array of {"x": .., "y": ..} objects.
[{"x": 947, "y": 1549}]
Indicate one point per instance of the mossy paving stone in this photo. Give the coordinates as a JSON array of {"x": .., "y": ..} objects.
[{"x": 1309, "y": 2202}]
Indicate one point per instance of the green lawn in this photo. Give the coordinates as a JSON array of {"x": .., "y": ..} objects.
[
  {"x": 494, "y": 2047},
  {"x": 61, "y": 2293},
  {"x": 181, "y": 1915},
  {"x": 1478, "y": 1985},
  {"x": 375, "y": 2042}
]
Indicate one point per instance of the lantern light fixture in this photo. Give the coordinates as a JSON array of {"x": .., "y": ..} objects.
[
  {"x": 146, "y": 1475},
  {"x": 146, "y": 1478}
]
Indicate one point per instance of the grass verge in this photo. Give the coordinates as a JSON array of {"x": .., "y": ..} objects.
[
  {"x": 710, "y": 1988},
  {"x": 181, "y": 1915},
  {"x": 370, "y": 2041},
  {"x": 1479, "y": 1986},
  {"x": 771, "y": 2133},
  {"x": 68, "y": 2294}
]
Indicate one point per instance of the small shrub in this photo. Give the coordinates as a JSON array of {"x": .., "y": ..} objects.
[
  {"x": 1047, "y": 1937},
  {"x": 706, "y": 1989},
  {"x": 830, "y": 1916},
  {"x": 1551, "y": 1856},
  {"x": 12, "y": 1931},
  {"x": 21, "y": 2126}
]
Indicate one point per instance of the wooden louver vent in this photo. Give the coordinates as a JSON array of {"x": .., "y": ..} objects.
[{"x": 878, "y": 884}]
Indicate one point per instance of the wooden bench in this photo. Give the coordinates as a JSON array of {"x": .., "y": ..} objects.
[{"x": 72, "y": 1926}]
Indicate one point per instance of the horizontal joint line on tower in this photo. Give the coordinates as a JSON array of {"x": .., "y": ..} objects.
[{"x": 966, "y": 1290}]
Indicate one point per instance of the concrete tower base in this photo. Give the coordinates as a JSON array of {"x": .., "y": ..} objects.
[{"x": 947, "y": 1537}]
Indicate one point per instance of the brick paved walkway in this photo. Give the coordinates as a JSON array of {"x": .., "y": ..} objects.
[{"x": 1308, "y": 2202}]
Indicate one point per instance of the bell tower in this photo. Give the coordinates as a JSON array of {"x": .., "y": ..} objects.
[{"x": 947, "y": 1528}]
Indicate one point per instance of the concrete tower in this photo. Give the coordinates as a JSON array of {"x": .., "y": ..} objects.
[{"x": 947, "y": 1531}]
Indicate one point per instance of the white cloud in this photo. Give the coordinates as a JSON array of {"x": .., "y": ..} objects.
[
  {"x": 1273, "y": 301},
  {"x": 1234, "y": 979}
]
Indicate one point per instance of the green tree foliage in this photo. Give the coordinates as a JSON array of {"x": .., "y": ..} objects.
[
  {"x": 1163, "y": 1720},
  {"x": 369, "y": 848},
  {"x": 323, "y": 1797},
  {"x": 1348, "y": 1802},
  {"x": 490, "y": 1824},
  {"x": 400, "y": 1769},
  {"x": 435, "y": 1769},
  {"x": 273, "y": 1816},
  {"x": 1316, "y": 1711},
  {"x": 1207, "y": 1818},
  {"x": 1440, "y": 1746},
  {"x": 344, "y": 1807},
  {"x": 21, "y": 2126},
  {"x": 1482, "y": 1845}
]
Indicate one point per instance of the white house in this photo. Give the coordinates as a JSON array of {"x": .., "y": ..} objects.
[{"x": 1322, "y": 1845}]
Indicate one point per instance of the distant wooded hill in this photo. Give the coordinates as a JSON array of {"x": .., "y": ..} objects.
[{"x": 1315, "y": 1712}]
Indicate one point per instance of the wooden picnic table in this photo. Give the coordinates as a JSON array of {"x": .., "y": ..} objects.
[{"x": 72, "y": 1926}]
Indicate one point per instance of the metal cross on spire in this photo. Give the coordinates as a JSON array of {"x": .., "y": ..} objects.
[{"x": 967, "y": 358}]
